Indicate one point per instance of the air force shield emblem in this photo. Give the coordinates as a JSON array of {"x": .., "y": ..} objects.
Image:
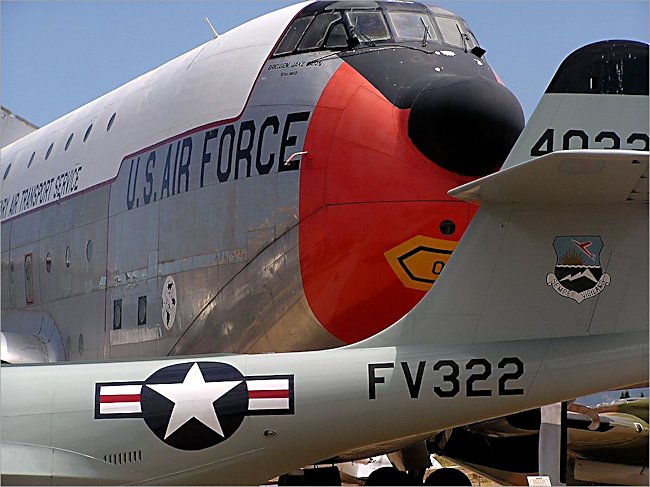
[{"x": 578, "y": 273}]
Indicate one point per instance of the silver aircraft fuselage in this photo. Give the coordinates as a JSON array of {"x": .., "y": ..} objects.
[{"x": 281, "y": 187}]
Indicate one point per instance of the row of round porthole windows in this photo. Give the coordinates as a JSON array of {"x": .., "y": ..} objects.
[
  {"x": 48, "y": 260},
  {"x": 65, "y": 148},
  {"x": 89, "y": 256}
]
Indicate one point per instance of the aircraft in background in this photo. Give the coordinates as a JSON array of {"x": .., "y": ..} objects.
[
  {"x": 473, "y": 349},
  {"x": 13, "y": 127},
  {"x": 281, "y": 187},
  {"x": 606, "y": 444}
]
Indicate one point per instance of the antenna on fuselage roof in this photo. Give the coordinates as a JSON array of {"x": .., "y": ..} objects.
[{"x": 214, "y": 32}]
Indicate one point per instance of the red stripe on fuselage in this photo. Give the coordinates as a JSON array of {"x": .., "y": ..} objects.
[
  {"x": 120, "y": 398},
  {"x": 268, "y": 394}
]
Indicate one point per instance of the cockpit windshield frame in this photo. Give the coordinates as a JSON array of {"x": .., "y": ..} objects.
[
  {"x": 369, "y": 24},
  {"x": 455, "y": 32},
  {"x": 318, "y": 31},
  {"x": 410, "y": 25},
  {"x": 342, "y": 26}
]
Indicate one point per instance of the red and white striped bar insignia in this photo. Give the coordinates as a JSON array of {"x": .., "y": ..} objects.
[
  {"x": 270, "y": 395},
  {"x": 118, "y": 400},
  {"x": 267, "y": 395}
]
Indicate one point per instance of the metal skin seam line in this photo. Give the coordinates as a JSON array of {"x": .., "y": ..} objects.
[{"x": 216, "y": 295}]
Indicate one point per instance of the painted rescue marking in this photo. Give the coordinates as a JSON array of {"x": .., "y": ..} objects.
[
  {"x": 578, "y": 274},
  {"x": 419, "y": 261},
  {"x": 195, "y": 405}
]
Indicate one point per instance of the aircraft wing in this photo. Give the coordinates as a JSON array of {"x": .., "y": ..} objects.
[
  {"x": 613, "y": 450},
  {"x": 566, "y": 177},
  {"x": 621, "y": 435},
  {"x": 13, "y": 127}
]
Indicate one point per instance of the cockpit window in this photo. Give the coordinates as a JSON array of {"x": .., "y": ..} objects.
[
  {"x": 337, "y": 38},
  {"x": 344, "y": 25},
  {"x": 318, "y": 29},
  {"x": 369, "y": 25},
  {"x": 293, "y": 35},
  {"x": 455, "y": 33},
  {"x": 472, "y": 38},
  {"x": 411, "y": 25}
]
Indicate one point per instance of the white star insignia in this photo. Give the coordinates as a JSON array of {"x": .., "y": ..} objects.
[{"x": 193, "y": 398}]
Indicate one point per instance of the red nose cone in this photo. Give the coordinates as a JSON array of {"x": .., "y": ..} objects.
[{"x": 367, "y": 195}]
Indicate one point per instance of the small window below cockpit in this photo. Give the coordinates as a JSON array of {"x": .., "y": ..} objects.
[{"x": 412, "y": 25}]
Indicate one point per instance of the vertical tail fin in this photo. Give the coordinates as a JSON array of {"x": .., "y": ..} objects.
[
  {"x": 559, "y": 246},
  {"x": 598, "y": 99}
]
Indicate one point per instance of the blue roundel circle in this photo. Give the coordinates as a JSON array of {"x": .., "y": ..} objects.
[{"x": 194, "y": 405}]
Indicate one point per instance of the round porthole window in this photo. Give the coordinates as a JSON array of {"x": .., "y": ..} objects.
[
  {"x": 142, "y": 310},
  {"x": 48, "y": 262},
  {"x": 67, "y": 257},
  {"x": 89, "y": 250},
  {"x": 447, "y": 227}
]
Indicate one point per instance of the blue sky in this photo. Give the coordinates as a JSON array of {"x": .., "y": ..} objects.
[{"x": 57, "y": 56}]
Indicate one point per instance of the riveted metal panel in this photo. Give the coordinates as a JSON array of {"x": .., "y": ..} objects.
[
  {"x": 85, "y": 208},
  {"x": 5, "y": 236},
  {"x": 25, "y": 230},
  {"x": 132, "y": 339},
  {"x": 55, "y": 284},
  {"x": 132, "y": 235},
  {"x": 87, "y": 273},
  {"x": 262, "y": 303},
  {"x": 5, "y": 297},
  {"x": 20, "y": 286}
]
